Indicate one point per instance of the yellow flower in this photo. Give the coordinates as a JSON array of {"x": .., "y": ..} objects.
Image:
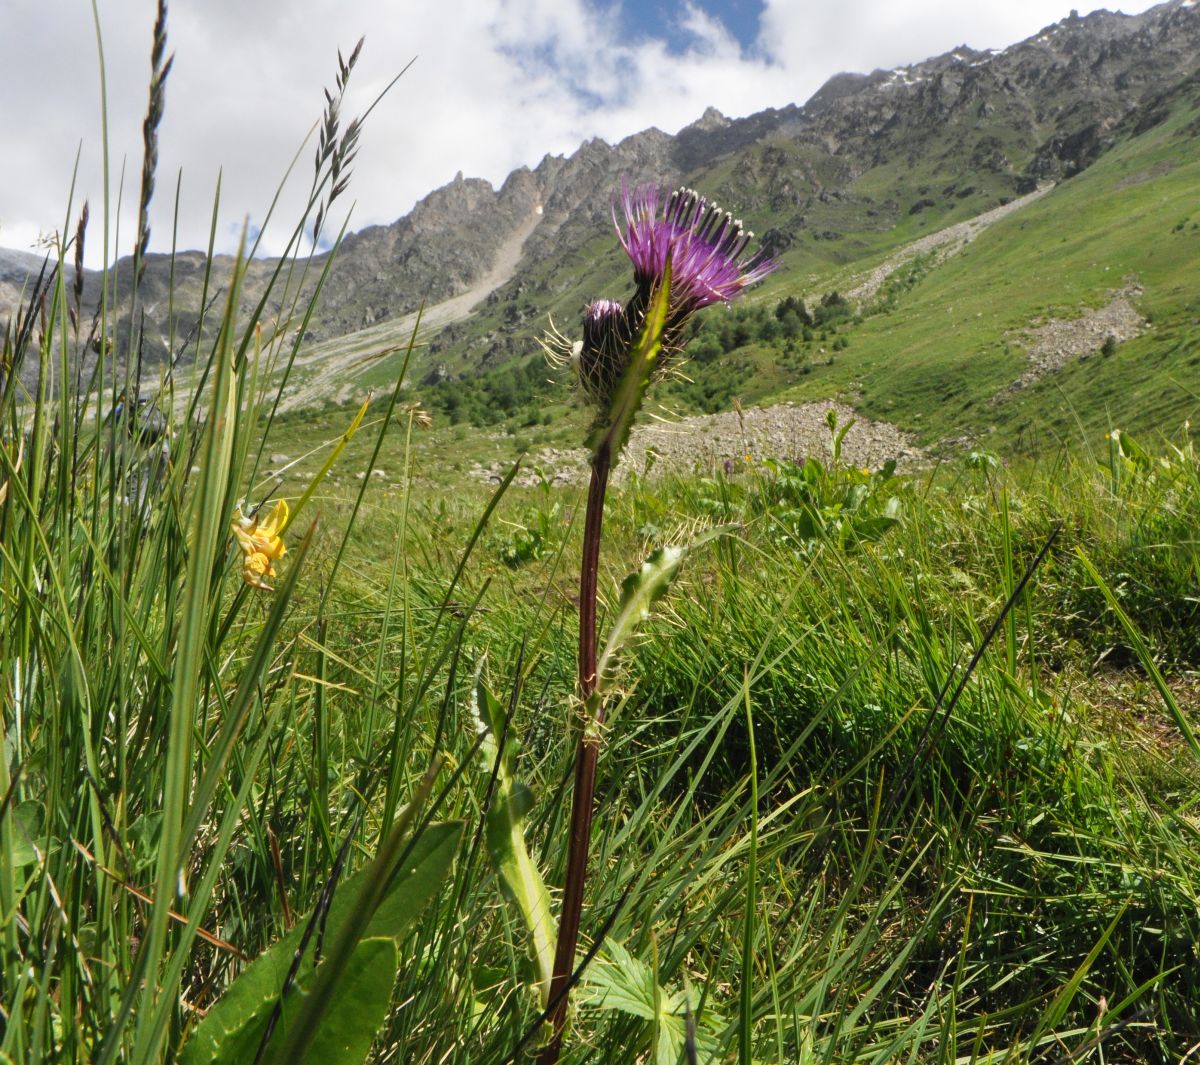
[{"x": 261, "y": 543}]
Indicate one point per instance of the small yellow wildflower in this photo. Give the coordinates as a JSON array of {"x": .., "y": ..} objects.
[{"x": 261, "y": 543}]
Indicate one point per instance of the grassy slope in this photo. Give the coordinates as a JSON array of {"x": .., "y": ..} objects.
[
  {"x": 934, "y": 362},
  {"x": 946, "y": 347},
  {"x": 922, "y": 896}
]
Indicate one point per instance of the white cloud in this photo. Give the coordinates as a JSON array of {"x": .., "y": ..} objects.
[
  {"x": 862, "y": 35},
  {"x": 709, "y": 34},
  {"x": 494, "y": 86}
]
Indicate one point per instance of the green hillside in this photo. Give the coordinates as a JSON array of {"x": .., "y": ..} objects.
[
  {"x": 937, "y": 348},
  {"x": 341, "y": 730},
  {"x": 935, "y": 360}
]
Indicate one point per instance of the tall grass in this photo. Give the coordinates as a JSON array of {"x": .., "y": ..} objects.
[{"x": 810, "y": 850}]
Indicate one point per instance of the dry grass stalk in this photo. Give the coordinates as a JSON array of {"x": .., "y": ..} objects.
[
  {"x": 337, "y": 153},
  {"x": 77, "y": 286},
  {"x": 159, "y": 69}
]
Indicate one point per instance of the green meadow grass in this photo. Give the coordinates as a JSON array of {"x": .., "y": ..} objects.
[
  {"x": 1010, "y": 878},
  {"x": 901, "y": 769}
]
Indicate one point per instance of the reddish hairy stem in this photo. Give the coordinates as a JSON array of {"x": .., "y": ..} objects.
[{"x": 586, "y": 756}]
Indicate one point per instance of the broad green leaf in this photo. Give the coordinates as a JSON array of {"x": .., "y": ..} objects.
[
  {"x": 416, "y": 882},
  {"x": 378, "y": 879},
  {"x": 839, "y": 435},
  {"x": 234, "y": 1026},
  {"x": 359, "y": 1007},
  {"x": 873, "y": 528},
  {"x": 856, "y": 495},
  {"x": 617, "y": 980},
  {"x": 672, "y": 1031},
  {"x": 26, "y": 821},
  {"x": 505, "y": 835},
  {"x": 1131, "y": 449}
]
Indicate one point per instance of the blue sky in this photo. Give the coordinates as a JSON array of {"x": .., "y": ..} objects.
[
  {"x": 495, "y": 84},
  {"x": 642, "y": 19}
]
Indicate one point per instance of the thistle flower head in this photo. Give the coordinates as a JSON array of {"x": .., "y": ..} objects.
[
  {"x": 599, "y": 359},
  {"x": 706, "y": 247}
]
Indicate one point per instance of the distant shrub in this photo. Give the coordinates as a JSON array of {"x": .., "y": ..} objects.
[
  {"x": 706, "y": 347},
  {"x": 833, "y": 308},
  {"x": 790, "y": 306}
]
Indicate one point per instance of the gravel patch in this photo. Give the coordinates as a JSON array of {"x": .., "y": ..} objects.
[
  {"x": 1157, "y": 170},
  {"x": 945, "y": 242},
  {"x": 1060, "y": 340},
  {"x": 708, "y": 442}
]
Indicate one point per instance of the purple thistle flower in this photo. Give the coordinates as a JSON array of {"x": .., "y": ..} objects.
[
  {"x": 706, "y": 247},
  {"x": 704, "y": 243}
]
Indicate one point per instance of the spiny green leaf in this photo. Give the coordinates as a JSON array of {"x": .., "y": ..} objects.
[
  {"x": 505, "y": 835},
  {"x": 640, "y": 591},
  {"x": 359, "y": 1007},
  {"x": 233, "y": 1028}
]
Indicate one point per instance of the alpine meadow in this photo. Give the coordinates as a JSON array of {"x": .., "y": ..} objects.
[{"x": 729, "y": 596}]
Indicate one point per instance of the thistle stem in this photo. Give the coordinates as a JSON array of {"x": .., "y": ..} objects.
[{"x": 586, "y": 755}]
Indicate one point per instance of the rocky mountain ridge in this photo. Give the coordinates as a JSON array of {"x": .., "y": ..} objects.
[{"x": 958, "y": 132}]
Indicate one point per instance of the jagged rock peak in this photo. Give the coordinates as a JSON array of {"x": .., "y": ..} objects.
[
  {"x": 18, "y": 265},
  {"x": 841, "y": 86},
  {"x": 712, "y": 119}
]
